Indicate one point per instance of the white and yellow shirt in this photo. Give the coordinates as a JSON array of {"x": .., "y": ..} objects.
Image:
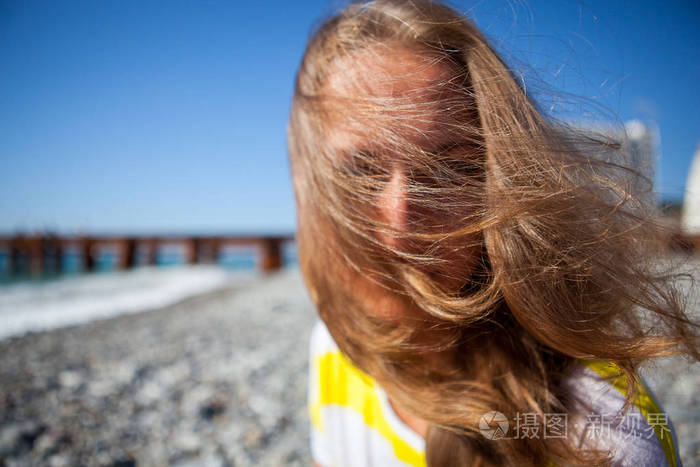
[{"x": 353, "y": 424}]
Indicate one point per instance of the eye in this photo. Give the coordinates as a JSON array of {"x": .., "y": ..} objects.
[
  {"x": 450, "y": 165},
  {"x": 464, "y": 168},
  {"x": 367, "y": 170}
]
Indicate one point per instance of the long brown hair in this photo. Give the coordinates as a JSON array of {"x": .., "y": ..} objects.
[{"x": 560, "y": 235}]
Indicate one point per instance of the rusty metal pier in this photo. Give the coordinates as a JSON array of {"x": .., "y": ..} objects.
[{"x": 44, "y": 253}]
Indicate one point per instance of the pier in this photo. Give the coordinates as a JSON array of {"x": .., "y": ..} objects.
[
  {"x": 39, "y": 255},
  {"x": 42, "y": 254}
]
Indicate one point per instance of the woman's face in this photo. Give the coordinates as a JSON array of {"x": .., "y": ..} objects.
[{"x": 392, "y": 76}]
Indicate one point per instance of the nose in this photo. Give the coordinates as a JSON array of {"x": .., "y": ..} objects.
[{"x": 392, "y": 206}]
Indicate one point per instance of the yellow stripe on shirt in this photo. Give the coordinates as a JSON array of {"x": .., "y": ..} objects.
[
  {"x": 349, "y": 387},
  {"x": 339, "y": 382}
]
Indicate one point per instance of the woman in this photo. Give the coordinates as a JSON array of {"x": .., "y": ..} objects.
[{"x": 481, "y": 277}]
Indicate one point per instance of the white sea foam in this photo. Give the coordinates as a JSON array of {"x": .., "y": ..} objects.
[{"x": 34, "y": 306}]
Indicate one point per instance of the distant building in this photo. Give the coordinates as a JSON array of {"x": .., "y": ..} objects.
[
  {"x": 639, "y": 152},
  {"x": 690, "y": 217}
]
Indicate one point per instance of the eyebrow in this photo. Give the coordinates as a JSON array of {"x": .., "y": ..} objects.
[
  {"x": 447, "y": 147},
  {"x": 348, "y": 155}
]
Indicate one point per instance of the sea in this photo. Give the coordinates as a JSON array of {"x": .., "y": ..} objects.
[{"x": 72, "y": 297}]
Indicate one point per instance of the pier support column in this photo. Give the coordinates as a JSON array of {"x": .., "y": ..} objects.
[
  {"x": 13, "y": 267},
  {"x": 35, "y": 247},
  {"x": 87, "y": 250},
  {"x": 192, "y": 247},
  {"x": 127, "y": 253},
  {"x": 271, "y": 251}
]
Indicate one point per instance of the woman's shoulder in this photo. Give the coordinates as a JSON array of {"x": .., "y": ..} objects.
[
  {"x": 644, "y": 435},
  {"x": 321, "y": 341},
  {"x": 352, "y": 422},
  {"x": 332, "y": 370}
]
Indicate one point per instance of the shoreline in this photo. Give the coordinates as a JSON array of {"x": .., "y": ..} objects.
[{"x": 35, "y": 306}]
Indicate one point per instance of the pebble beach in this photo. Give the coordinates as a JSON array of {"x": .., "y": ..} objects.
[
  {"x": 215, "y": 380},
  {"x": 218, "y": 379}
]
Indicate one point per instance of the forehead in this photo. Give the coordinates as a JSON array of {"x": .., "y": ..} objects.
[
  {"x": 385, "y": 71},
  {"x": 398, "y": 87}
]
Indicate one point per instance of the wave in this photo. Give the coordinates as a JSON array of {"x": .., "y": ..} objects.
[{"x": 37, "y": 306}]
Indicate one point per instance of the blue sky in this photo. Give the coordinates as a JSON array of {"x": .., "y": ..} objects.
[{"x": 137, "y": 116}]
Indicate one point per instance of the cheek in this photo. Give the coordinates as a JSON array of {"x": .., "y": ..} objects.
[{"x": 379, "y": 301}]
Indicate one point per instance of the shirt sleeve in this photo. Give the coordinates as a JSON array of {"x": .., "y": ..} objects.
[{"x": 631, "y": 438}]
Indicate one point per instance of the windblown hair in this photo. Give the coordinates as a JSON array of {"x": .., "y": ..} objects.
[{"x": 563, "y": 242}]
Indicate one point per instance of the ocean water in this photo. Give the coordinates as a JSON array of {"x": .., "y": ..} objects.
[
  {"x": 73, "y": 299},
  {"x": 235, "y": 257},
  {"x": 70, "y": 296}
]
